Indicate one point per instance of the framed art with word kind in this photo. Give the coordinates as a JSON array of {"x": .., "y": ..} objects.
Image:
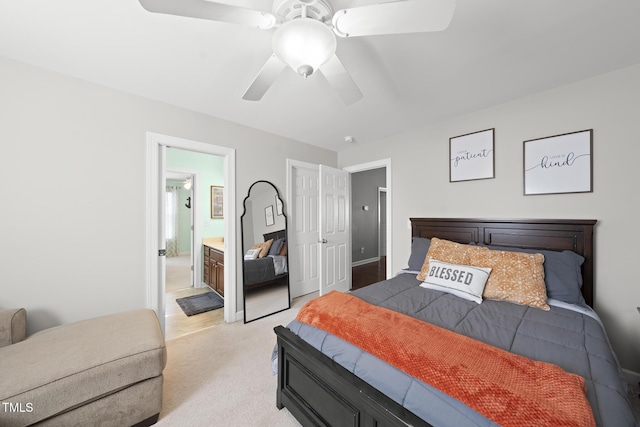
[{"x": 559, "y": 164}]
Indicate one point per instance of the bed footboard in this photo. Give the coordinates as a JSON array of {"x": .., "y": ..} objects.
[{"x": 320, "y": 392}]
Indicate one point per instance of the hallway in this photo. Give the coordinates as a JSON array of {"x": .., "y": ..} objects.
[{"x": 367, "y": 274}]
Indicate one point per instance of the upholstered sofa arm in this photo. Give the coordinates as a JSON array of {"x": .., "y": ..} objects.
[{"x": 13, "y": 326}]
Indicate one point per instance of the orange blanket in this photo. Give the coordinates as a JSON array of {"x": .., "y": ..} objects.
[{"x": 508, "y": 389}]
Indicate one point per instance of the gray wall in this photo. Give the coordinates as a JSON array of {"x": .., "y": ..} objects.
[
  {"x": 610, "y": 105},
  {"x": 364, "y": 227},
  {"x": 73, "y": 219}
]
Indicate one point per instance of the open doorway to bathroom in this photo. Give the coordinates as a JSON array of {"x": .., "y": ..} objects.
[{"x": 188, "y": 221}]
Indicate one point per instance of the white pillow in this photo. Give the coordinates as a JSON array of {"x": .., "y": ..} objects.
[
  {"x": 464, "y": 281},
  {"x": 252, "y": 254}
]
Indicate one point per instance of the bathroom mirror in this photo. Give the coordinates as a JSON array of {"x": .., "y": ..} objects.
[{"x": 265, "y": 270}]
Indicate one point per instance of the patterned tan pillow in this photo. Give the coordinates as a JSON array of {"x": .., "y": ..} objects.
[
  {"x": 265, "y": 248},
  {"x": 515, "y": 276},
  {"x": 451, "y": 252},
  {"x": 283, "y": 250}
]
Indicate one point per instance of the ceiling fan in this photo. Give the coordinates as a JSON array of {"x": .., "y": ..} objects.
[{"x": 306, "y": 30}]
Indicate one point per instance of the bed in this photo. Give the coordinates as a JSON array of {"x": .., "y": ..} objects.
[
  {"x": 323, "y": 380},
  {"x": 271, "y": 269}
]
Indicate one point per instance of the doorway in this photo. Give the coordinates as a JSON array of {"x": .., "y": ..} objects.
[
  {"x": 371, "y": 213},
  {"x": 189, "y": 175},
  {"x": 181, "y": 228},
  {"x": 157, "y": 146}
]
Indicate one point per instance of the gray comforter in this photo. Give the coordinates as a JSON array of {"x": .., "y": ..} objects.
[
  {"x": 573, "y": 340},
  {"x": 258, "y": 271}
]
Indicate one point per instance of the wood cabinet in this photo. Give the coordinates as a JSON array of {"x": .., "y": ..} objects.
[{"x": 213, "y": 265}]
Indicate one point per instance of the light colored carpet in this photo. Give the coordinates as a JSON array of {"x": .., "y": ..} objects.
[{"x": 221, "y": 376}]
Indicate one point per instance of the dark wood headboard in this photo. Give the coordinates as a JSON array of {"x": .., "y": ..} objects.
[
  {"x": 550, "y": 234},
  {"x": 280, "y": 234}
]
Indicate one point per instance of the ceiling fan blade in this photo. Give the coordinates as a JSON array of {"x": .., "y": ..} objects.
[
  {"x": 341, "y": 80},
  {"x": 408, "y": 16},
  {"x": 265, "y": 78},
  {"x": 213, "y": 11}
]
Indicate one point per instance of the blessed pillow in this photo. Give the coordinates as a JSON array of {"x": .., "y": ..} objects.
[
  {"x": 447, "y": 251},
  {"x": 251, "y": 254},
  {"x": 517, "y": 277},
  {"x": 464, "y": 281}
]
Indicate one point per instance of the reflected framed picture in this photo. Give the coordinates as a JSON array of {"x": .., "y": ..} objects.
[
  {"x": 559, "y": 164},
  {"x": 278, "y": 205},
  {"x": 217, "y": 198},
  {"x": 268, "y": 215},
  {"x": 471, "y": 156}
]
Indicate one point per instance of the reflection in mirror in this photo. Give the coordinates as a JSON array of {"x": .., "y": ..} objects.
[{"x": 264, "y": 244}]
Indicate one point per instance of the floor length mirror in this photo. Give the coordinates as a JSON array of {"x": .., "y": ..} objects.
[{"x": 264, "y": 243}]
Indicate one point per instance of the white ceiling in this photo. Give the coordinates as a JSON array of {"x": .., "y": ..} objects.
[{"x": 493, "y": 51}]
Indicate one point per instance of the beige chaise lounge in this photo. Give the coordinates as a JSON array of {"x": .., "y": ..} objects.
[{"x": 105, "y": 371}]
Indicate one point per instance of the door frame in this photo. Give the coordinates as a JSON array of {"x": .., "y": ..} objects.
[
  {"x": 195, "y": 233},
  {"x": 378, "y": 164},
  {"x": 155, "y": 284},
  {"x": 382, "y": 190}
]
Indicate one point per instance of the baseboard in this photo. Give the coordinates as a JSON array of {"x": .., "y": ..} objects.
[{"x": 365, "y": 261}]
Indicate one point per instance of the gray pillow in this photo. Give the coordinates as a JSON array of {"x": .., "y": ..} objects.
[
  {"x": 419, "y": 249},
  {"x": 562, "y": 273},
  {"x": 275, "y": 247}
]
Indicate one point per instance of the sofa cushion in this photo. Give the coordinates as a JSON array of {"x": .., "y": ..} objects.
[{"x": 70, "y": 365}]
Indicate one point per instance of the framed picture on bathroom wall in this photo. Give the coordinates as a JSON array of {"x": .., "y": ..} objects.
[
  {"x": 471, "y": 156},
  {"x": 217, "y": 197},
  {"x": 559, "y": 164}
]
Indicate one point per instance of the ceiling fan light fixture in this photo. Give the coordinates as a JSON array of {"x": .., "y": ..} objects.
[{"x": 304, "y": 44}]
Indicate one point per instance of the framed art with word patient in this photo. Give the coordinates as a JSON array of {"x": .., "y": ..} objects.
[
  {"x": 471, "y": 156},
  {"x": 559, "y": 164}
]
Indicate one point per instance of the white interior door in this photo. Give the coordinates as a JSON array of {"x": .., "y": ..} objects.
[
  {"x": 192, "y": 235},
  {"x": 162, "y": 242},
  {"x": 304, "y": 229},
  {"x": 335, "y": 231}
]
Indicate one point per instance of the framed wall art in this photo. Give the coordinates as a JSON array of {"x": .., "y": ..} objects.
[
  {"x": 559, "y": 164},
  {"x": 217, "y": 201},
  {"x": 471, "y": 156},
  {"x": 268, "y": 215}
]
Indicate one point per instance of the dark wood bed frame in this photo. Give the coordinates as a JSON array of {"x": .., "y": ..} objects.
[{"x": 320, "y": 392}]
